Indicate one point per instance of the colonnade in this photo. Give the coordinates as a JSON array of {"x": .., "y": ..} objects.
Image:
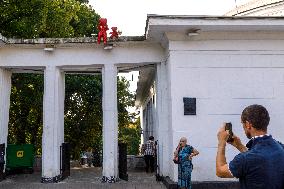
[{"x": 53, "y": 120}]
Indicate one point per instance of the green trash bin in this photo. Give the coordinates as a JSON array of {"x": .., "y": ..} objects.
[{"x": 20, "y": 157}]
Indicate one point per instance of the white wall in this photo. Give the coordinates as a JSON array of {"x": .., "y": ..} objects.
[
  {"x": 224, "y": 82},
  {"x": 31, "y": 56}
]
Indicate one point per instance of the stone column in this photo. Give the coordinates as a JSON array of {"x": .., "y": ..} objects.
[
  {"x": 110, "y": 124},
  {"x": 53, "y": 123},
  {"x": 5, "y": 91},
  {"x": 163, "y": 120}
]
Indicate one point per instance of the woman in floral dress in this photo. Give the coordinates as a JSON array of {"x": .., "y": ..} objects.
[{"x": 184, "y": 154}]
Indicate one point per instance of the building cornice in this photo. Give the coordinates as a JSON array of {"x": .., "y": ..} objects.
[
  {"x": 67, "y": 42},
  {"x": 70, "y": 40},
  {"x": 253, "y": 5},
  {"x": 163, "y": 28}
]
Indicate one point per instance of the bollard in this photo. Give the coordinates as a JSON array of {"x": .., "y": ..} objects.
[{"x": 122, "y": 162}]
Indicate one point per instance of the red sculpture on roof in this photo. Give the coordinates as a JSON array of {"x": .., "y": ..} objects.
[
  {"x": 114, "y": 33},
  {"x": 102, "y": 30}
]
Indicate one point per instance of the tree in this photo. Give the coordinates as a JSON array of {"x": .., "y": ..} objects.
[
  {"x": 83, "y": 112},
  {"x": 25, "y": 124},
  {"x": 86, "y": 21},
  {"x": 131, "y": 135},
  {"x": 129, "y": 125},
  {"x": 46, "y": 18}
]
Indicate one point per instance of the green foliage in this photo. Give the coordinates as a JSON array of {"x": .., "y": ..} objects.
[
  {"x": 20, "y": 17},
  {"x": 129, "y": 126},
  {"x": 83, "y": 1},
  {"x": 55, "y": 18},
  {"x": 83, "y": 112},
  {"x": 86, "y": 21},
  {"x": 47, "y": 18},
  {"x": 131, "y": 135},
  {"x": 25, "y": 125}
]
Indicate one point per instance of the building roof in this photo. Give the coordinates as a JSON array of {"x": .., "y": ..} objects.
[
  {"x": 253, "y": 5},
  {"x": 159, "y": 27},
  {"x": 64, "y": 41},
  {"x": 170, "y": 23}
]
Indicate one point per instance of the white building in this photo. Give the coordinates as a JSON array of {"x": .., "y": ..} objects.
[
  {"x": 224, "y": 63},
  {"x": 259, "y": 8}
]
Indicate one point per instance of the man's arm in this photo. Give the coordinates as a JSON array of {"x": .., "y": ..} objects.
[
  {"x": 238, "y": 144},
  {"x": 222, "y": 168}
]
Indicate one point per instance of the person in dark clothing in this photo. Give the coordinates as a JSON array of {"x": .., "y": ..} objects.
[
  {"x": 149, "y": 154},
  {"x": 260, "y": 164}
]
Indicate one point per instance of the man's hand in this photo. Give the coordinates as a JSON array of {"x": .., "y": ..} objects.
[
  {"x": 222, "y": 169},
  {"x": 237, "y": 143},
  {"x": 223, "y": 135}
]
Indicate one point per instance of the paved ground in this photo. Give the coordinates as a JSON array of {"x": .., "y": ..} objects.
[{"x": 82, "y": 178}]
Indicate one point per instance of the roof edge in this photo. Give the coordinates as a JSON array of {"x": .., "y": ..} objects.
[
  {"x": 212, "y": 17},
  {"x": 250, "y": 6},
  {"x": 67, "y": 40}
]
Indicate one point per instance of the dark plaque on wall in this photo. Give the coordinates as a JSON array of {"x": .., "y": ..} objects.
[{"x": 189, "y": 106}]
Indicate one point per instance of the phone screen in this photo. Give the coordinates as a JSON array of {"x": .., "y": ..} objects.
[{"x": 229, "y": 128}]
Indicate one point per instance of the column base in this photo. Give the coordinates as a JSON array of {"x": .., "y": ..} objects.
[
  {"x": 111, "y": 179},
  {"x": 51, "y": 179}
]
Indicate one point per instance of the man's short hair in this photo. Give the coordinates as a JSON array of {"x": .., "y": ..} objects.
[
  {"x": 151, "y": 138},
  {"x": 257, "y": 115}
]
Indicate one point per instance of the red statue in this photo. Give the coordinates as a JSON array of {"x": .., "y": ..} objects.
[
  {"x": 102, "y": 30},
  {"x": 114, "y": 33}
]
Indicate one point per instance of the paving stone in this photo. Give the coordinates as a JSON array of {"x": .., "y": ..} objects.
[{"x": 82, "y": 178}]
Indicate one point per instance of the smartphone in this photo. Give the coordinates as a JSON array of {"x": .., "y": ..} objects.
[{"x": 228, "y": 127}]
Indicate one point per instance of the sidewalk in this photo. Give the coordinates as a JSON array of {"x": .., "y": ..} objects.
[{"x": 82, "y": 178}]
